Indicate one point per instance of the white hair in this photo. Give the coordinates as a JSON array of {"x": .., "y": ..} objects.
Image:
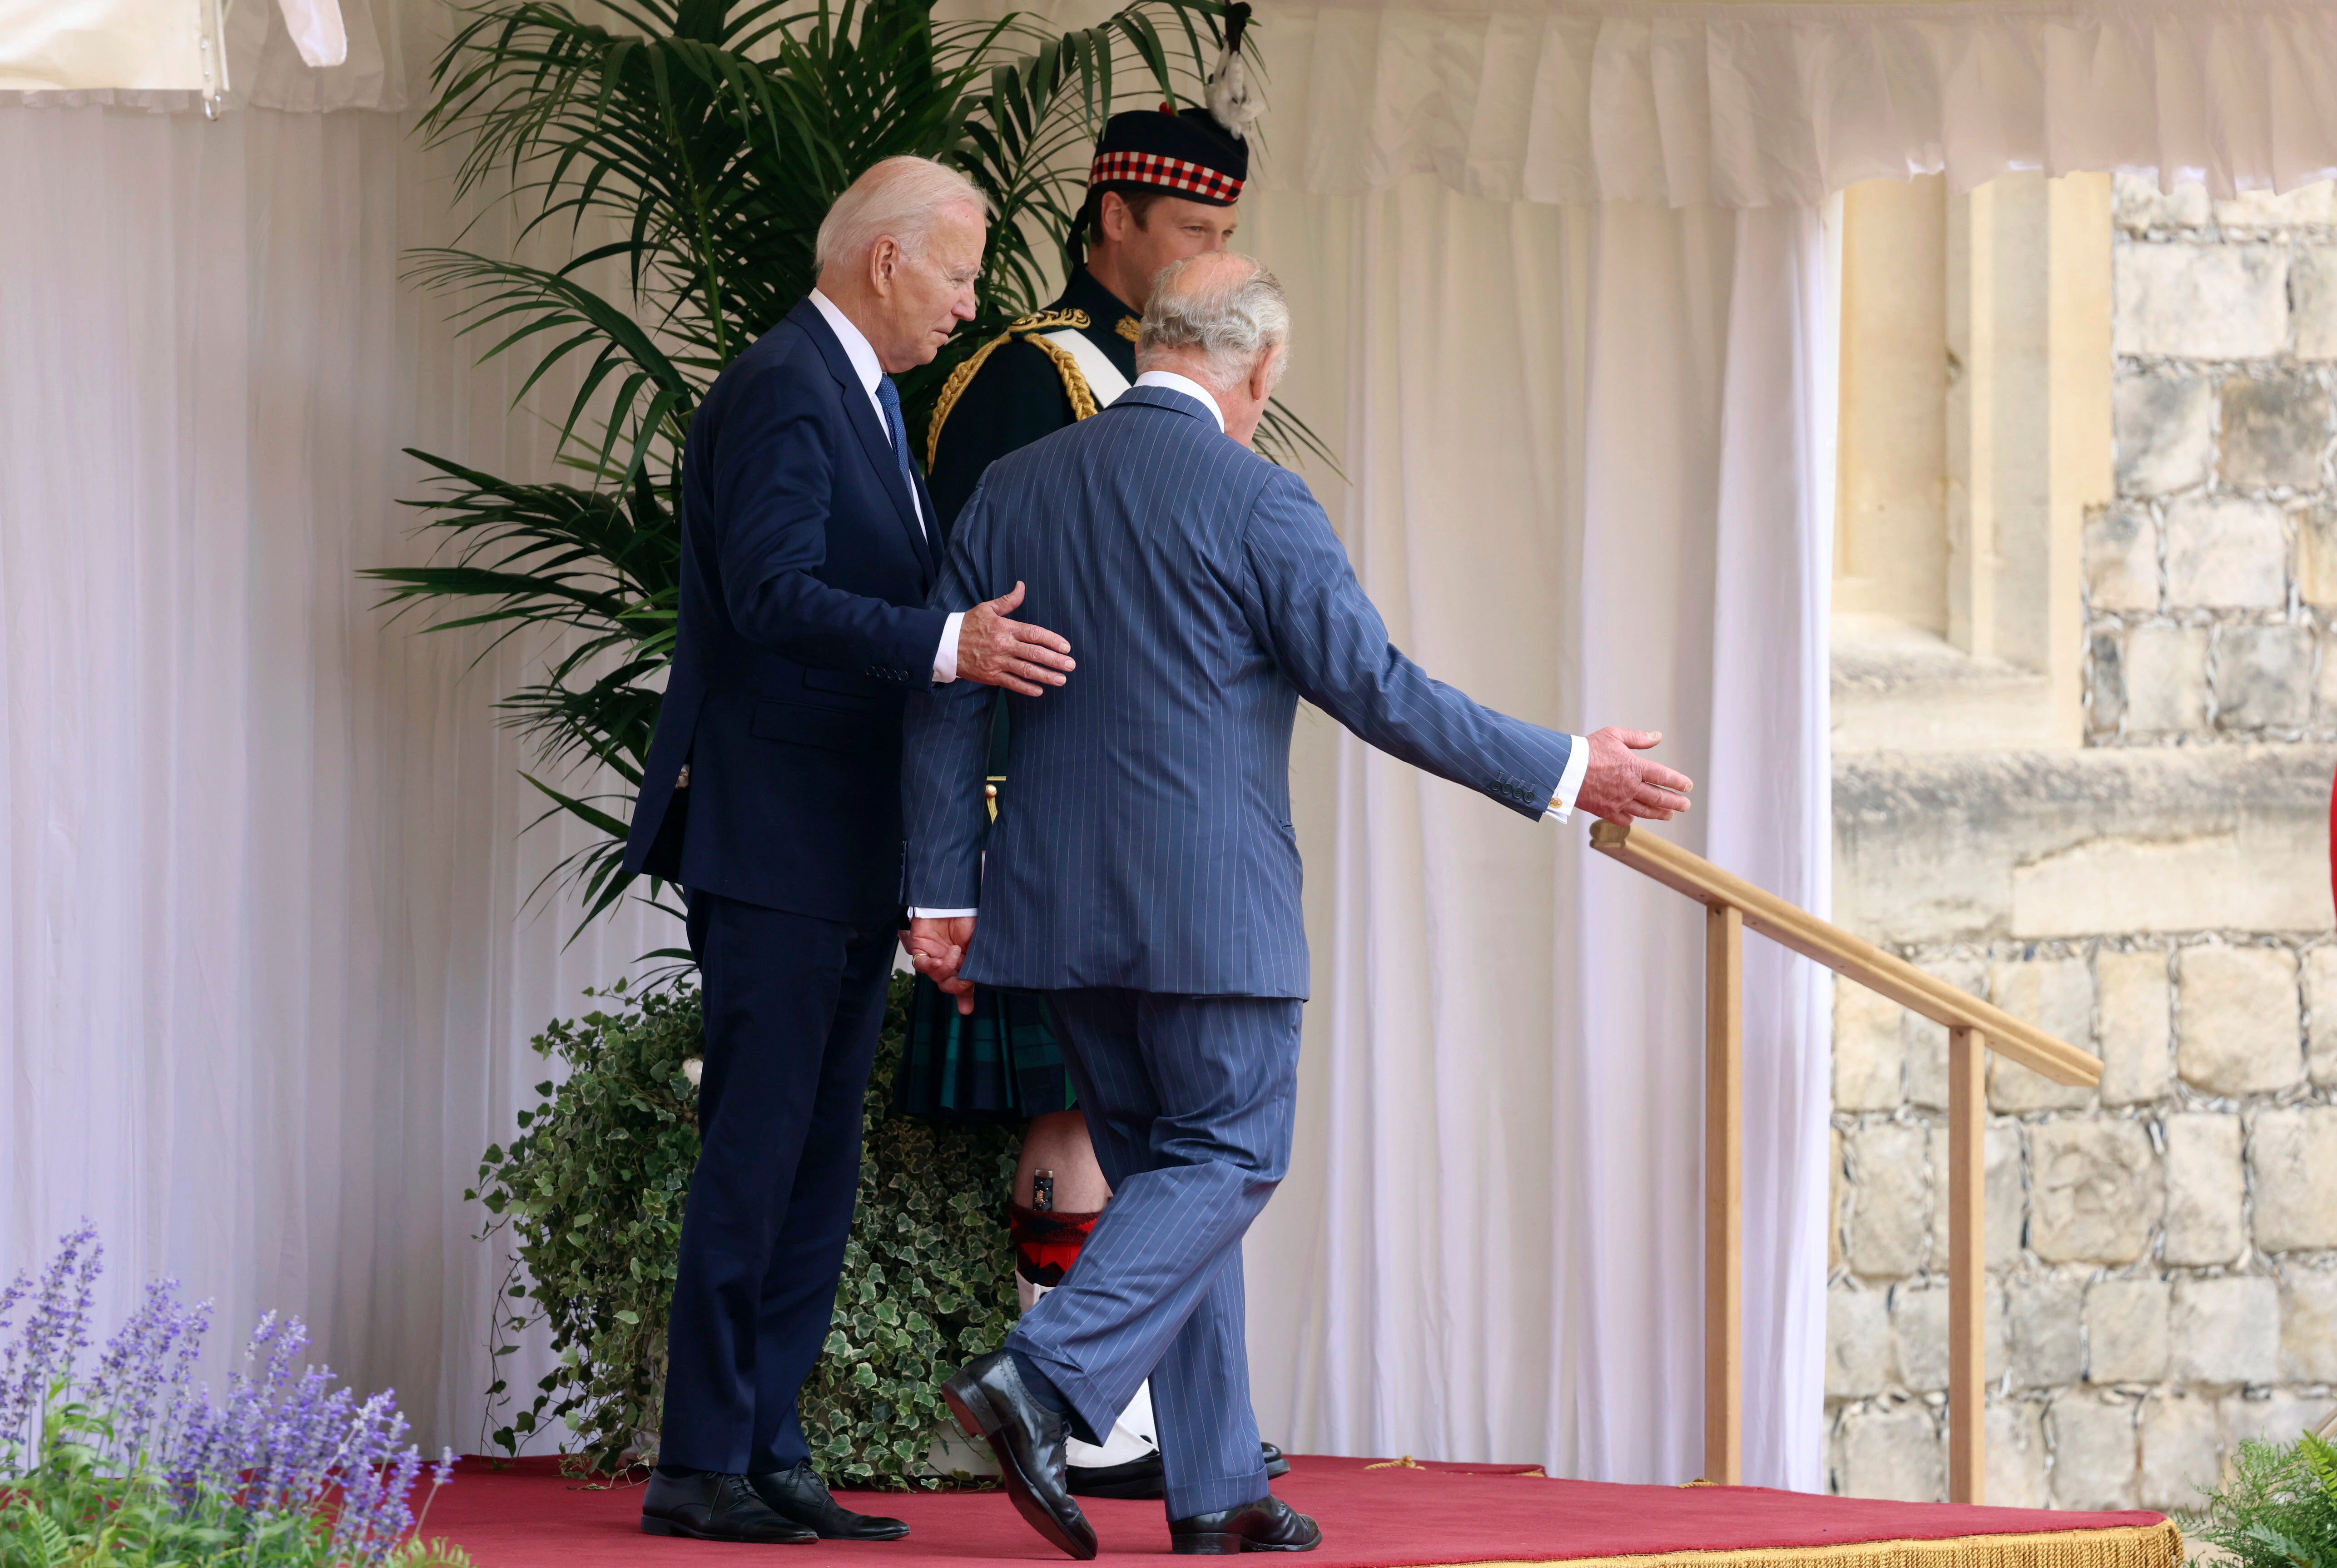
[
  {"x": 895, "y": 198},
  {"x": 1227, "y": 306}
]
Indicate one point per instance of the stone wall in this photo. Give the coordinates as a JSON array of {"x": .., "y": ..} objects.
[
  {"x": 2211, "y": 583},
  {"x": 2162, "y": 1251}
]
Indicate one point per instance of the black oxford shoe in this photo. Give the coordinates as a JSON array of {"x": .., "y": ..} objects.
[
  {"x": 708, "y": 1507},
  {"x": 800, "y": 1495},
  {"x": 1268, "y": 1525},
  {"x": 991, "y": 1402}
]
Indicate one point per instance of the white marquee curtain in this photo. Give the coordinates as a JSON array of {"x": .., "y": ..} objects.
[
  {"x": 268, "y": 977},
  {"x": 1586, "y": 486}
]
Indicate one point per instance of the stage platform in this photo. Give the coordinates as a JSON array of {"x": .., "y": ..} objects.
[{"x": 1384, "y": 1516}]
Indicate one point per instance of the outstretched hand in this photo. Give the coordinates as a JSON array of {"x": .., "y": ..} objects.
[
  {"x": 937, "y": 949},
  {"x": 996, "y": 651},
  {"x": 1619, "y": 784}
]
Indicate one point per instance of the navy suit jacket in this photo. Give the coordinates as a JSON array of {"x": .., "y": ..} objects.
[
  {"x": 1147, "y": 840},
  {"x": 802, "y": 631}
]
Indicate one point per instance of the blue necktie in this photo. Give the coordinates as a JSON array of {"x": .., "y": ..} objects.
[{"x": 887, "y": 395}]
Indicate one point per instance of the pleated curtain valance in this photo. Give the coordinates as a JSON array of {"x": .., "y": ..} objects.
[{"x": 1751, "y": 106}]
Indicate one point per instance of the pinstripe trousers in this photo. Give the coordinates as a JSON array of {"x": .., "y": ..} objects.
[{"x": 1190, "y": 1103}]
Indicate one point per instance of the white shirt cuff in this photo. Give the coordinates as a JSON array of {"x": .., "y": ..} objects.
[
  {"x": 917, "y": 914},
  {"x": 1570, "y": 783},
  {"x": 945, "y": 656}
]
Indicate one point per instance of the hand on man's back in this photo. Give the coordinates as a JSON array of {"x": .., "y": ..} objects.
[
  {"x": 996, "y": 651},
  {"x": 1619, "y": 784}
]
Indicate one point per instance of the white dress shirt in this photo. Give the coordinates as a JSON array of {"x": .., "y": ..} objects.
[{"x": 857, "y": 350}]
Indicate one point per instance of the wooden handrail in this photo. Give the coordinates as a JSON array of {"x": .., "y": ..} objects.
[
  {"x": 1732, "y": 906},
  {"x": 1790, "y": 926}
]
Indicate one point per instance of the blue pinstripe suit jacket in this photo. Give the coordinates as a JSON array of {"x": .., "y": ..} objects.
[{"x": 1145, "y": 840}]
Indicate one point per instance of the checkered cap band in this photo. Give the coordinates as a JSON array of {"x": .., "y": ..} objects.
[{"x": 1169, "y": 173}]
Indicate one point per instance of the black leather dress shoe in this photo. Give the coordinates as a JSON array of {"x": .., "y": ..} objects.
[
  {"x": 1144, "y": 1476},
  {"x": 800, "y": 1495},
  {"x": 708, "y": 1507},
  {"x": 991, "y": 1402},
  {"x": 1268, "y": 1525}
]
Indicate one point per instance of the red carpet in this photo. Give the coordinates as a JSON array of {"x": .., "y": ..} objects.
[{"x": 526, "y": 1517}]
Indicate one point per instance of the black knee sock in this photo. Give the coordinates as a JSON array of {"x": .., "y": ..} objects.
[{"x": 676, "y": 1472}]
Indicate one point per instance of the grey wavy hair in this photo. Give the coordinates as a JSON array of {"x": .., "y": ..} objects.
[
  {"x": 1227, "y": 306},
  {"x": 895, "y": 197}
]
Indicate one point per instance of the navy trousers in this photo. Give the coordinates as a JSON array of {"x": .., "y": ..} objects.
[
  {"x": 793, "y": 1008},
  {"x": 1190, "y": 1103}
]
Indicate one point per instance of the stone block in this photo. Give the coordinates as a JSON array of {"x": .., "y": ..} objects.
[
  {"x": 2137, "y": 1036},
  {"x": 2293, "y": 1155},
  {"x": 2094, "y": 1451},
  {"x": 1919, "y": 1335},
  {"x": 2316, "y": 557},
  {"x": 1894, "y": 1451},
  {"x": 2275, "y": 431},
  {"x": 2314, "y": 273},
  {"x": 2270, "y": 210},
  {"x": 2097, "y": 1191},
  {"x": 2016, "y": 1454},
  {"x": 2276, "y": 1419},
  {"x": 2165, "y": 442},
  {"x": 2236, "y": 1029},
  {"x": 2001, "y": 1199},
  {"x": 1927, "y": 1043},
  {"x": 2320, "y": 967},
  {"x": 2182, "y": 1451},
  {"x": 2205, "y": 1191},
  {"x": 2224, "y": 1332},
  {"x": 2263, "y": 678},
  {"x": 1870, "y": 1050},
  {"x": 2105, "y": 695},
  {"x": 2140, "y": 205},
  {"x": 2166, "y": 679},
  {"x": 2045, "y": 1342},
  {"x": 2057, "y": 995},
  {"x": 2191, "y": 301},
  {"x": 2126, "y": 1330},
  {"x": 2308, "y": 1327},
  {"x": 1890, "y": 1201},
  {"x": 1858, "y": 1342},
  {"x": 2225, "y": 551},
  {"x": 2121, "y": 560}
]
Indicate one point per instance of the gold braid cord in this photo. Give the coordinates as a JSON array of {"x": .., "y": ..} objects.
[
  {"x": 2124, "y": 1546},
  {"x": 1083, "y": 403}
]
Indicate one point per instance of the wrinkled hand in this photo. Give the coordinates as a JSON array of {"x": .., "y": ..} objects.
[
  {"x": 1618, "y": 786},
  {"x": 936, "y": 950},
  {"x": 1021, "y": 657}
]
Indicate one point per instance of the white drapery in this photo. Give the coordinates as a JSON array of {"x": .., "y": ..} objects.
[
  {"x": 268, "y": 977},
  {"x": 1587, "y": 486},
  {"x": 268, "y": 980}
]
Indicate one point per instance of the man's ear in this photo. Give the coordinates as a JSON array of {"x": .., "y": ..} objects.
[{"x": 884, "y": 261}]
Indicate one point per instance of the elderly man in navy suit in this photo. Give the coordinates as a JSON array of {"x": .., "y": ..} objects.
[
  {"x": 1144, "y": 874},
  {"x": 772, "y": 796}
]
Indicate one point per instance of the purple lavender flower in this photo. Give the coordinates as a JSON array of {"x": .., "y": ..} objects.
[
  {"x": 54, "y": 1331},
  {"x": 141, "y": 1377}
]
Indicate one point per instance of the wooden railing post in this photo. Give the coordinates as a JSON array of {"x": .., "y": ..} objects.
[
  {"x": 1967, "y": 1191},
  {"x": 1724, "y": 1208}
]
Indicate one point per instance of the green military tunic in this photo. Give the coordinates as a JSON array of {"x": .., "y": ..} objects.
[{"x": 1002, "y": 1061}]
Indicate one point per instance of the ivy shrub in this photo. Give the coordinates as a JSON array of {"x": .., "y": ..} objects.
[{"x": 592, "y": 1190}]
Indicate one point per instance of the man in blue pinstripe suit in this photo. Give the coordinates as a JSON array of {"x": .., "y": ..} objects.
[{"x": 1145, "y": 876}]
